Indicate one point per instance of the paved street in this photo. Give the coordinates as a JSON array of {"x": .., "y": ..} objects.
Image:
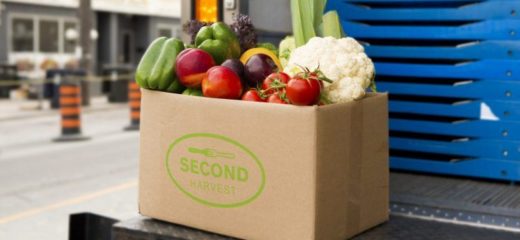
[{"x": 42, "y": 182}]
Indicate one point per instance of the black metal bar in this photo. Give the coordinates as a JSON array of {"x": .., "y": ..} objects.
[{"x": 89, "y": 226}]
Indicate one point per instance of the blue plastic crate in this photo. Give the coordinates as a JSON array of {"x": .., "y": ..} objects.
[
  {"x": 474, "y": 50},
  {"x": 420, "y": 10},
  {"x": 502, "y": 70},
  {"x": 482, "y": 168},
  {"x": 452, "y": 68},
  {"x": 481, "y": 89},
  {"x": 467, "y": 128},
  {"x": 470, "y": 109},
  {"x": 467, "y": 147}
]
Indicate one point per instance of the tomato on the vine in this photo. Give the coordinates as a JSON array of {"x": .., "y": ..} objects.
[
  {"x": 275, "y": 98},
  {"x": 303, "y": 90},
  {"x": 252, "y": 95},
  {"x": 280, "y": 78}
]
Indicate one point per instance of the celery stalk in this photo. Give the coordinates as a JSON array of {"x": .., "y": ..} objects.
[
  {"x": 319, "y": 6},
  {"x": 331, "y": 25},
  {"x": 297, "y": 23},
  {"x": 319, "y": 30},
  {"x": 309, "y": 21},
  {"x": 306, "y": 15}
]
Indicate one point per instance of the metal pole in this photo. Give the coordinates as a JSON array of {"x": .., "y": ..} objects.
[
  {"x": 85, "y": 18},
  {"x": 41, "y": 89},
  {"x": 1, "y": 9}
]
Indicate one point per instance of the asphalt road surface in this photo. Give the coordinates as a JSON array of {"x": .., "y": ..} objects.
[{"x": 42, "y": 182}]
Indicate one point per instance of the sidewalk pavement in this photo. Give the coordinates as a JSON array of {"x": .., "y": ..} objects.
[{"x": 42, "y": 182}]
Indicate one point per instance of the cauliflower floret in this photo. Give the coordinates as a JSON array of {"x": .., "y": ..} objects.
[
  {"x": 342, "y": 60},
  {"x": 344, "y": 90}
]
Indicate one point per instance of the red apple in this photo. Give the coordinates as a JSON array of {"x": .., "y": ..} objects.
[
  {"x": 221, "y": 82},
  {"x": 191, "y": 66}
]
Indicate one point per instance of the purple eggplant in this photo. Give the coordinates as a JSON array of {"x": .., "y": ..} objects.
[{"x": 257, "y": 68}]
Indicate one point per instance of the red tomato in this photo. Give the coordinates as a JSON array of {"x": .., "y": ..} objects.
[
  {"x": 313, "y": 75},
  {"x": 221, "y": 82},
  {"x": 275, "y": 98},
  {"x": 301, "y": 91},
  {"x": 280, "y": 76},
  {"x": 252, "y": 95}
]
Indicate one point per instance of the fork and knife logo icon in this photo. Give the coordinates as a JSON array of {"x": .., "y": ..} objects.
[{"x": 212, "y": 153}]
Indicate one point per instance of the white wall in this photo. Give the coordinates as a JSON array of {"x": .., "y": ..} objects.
[{"x": 164, "y": 8}]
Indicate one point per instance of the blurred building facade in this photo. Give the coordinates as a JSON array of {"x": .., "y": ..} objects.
[
  {"x": 272, "y": 18},
  {"x": 40, "y": 34}
]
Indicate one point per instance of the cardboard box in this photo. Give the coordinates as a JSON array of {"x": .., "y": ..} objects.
[{"x": 264, "y": 171}]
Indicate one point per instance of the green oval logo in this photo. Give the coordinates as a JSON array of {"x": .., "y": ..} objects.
[{"x": 215, "y": 170}]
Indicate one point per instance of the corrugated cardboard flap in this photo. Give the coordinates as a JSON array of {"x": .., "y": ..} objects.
[{"x": 352, "y": 167}]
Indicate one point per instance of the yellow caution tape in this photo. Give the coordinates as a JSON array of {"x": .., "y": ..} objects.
[{"x": 99, "y": 78}]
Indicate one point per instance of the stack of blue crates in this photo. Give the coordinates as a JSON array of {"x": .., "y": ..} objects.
[{"x": 452, "y": 68}]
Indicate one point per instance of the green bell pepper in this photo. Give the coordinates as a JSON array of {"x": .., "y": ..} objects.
[
  {"x": 156, "y": 70},
  {"x": 192, "y": 92},
  {"x": 219, "y": 41}
]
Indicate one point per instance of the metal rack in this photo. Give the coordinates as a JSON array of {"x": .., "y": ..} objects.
[{"x": 452, "y": 70}]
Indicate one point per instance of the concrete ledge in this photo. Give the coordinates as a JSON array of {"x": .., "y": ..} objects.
[
  {"x": 149, "y": 229},
  {"x": 397, "y": 228}
]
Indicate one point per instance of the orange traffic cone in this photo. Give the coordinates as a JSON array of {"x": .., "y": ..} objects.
[
  {"x": 70, "y": 113},
  {"x": 134, "y": 101}
]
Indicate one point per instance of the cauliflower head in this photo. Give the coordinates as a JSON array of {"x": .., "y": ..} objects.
[{"x": 341, "y": 60}]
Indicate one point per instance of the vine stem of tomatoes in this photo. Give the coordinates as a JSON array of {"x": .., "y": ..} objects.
[{"x": 278, "y": 85}]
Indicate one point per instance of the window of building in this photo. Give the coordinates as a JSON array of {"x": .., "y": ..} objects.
[
  {"x": 165, "y": 32},
  {"x": 22, "y": 35},
  {"x": 206, "y": 10},
  {"x": 69, "y": 44},
  {"x": 46, "y": 34},
  {"x": 49, "y": 36}
]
